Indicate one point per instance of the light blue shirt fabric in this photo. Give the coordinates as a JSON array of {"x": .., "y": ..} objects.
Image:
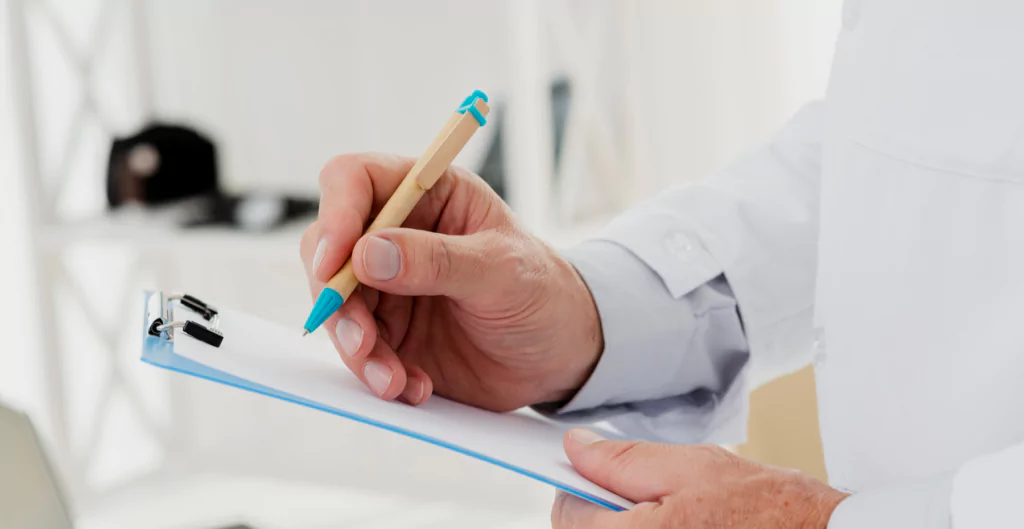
[{"x": 671, "y": 366}]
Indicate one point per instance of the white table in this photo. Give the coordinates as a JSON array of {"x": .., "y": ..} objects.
[{"x": 214, "y": 501}]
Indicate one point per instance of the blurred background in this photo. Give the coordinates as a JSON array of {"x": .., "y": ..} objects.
[{"x": 598, "y": 104}]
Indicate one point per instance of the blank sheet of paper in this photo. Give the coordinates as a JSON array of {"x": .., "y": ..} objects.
[{"x": 274, "y": 360}]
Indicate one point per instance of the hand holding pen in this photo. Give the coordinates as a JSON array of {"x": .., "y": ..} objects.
[{"x": 459, "y": 300}]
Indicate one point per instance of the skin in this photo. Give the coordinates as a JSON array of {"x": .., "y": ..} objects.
[
  {"x": 476, "y": 309},
  {"x": 480, "y": 312},
  {"x": 684, "y": 486}
]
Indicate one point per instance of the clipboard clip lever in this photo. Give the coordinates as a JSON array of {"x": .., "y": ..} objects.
[
  {"x": 194, "y": 303},
  {"x": 163, "y": 321},
  {"x": 193, "y": 329}
]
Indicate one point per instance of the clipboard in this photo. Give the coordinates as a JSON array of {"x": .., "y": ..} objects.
[{"x": 184, "y": 334}]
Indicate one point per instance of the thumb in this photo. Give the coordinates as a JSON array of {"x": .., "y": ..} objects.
[
  {"x": 411, "y": 262},
  {"x": 636, "y": 470}
]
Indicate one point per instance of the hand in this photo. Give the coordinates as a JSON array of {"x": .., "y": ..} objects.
[
  {"x": 680, "y": 486},
  {"x": 460, "y": 301}
]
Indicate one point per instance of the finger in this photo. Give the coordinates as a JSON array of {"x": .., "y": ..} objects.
[
  {"x": 381, "y": 371},
  {"x": 307, "y": 248},
  {"x": 375, "y": 362},
  {"x": 639, "y": 471},
  {"x": 571, "y": 512},
  {"x": 394, "y": 314},
  {"x": 370, "y": 295},
  {"x": 418, "y": 386},
  {"x": 354, "y": 328},
  {"x": 419, "y": 263},
  {"x": 347, "y": 191},
  {"x": 352, "y": 188}
]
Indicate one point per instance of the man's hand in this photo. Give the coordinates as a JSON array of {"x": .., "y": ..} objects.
[
  {"x": 460, "y": 301},
  {"x": 679, "y": 486}
]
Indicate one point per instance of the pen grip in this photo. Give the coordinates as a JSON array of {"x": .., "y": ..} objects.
[
  {"x": 423, "y": 175},
  {"x": 392, "y": 215}
]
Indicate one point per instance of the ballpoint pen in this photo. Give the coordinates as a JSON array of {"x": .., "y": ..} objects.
[{"x": 469, "y": 117}]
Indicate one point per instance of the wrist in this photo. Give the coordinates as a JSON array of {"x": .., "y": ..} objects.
[
  {"x": 585, "y": 338},
  {"x": 820, "y": 508}
]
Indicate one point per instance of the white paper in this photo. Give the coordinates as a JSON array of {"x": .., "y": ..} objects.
[{"x": 278, "y": 357}]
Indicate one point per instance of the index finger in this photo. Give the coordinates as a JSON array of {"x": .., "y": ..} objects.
[{"x": 353, "y": 188}]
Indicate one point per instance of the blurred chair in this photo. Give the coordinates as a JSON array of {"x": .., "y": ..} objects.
[
  {"x": 783, "y": 425},
  {"x": 30, "y": 497}
]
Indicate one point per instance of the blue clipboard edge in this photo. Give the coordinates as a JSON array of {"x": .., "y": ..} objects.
[{"x": 160, "y": 353}]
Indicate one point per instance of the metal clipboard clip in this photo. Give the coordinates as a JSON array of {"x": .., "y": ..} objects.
[{"x": 160, "y": 315}]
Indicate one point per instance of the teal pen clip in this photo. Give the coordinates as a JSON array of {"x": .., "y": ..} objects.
[
  {"x": 330, "y": 300},
  {"x": 467, "y": 104}
]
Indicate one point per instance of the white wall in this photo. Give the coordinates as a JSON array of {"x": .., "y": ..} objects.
[
  {"x": 287, "y": 85},
  {"x": 727, "y": 73}
]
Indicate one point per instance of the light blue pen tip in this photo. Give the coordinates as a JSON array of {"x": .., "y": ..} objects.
[{"x": 328, "y": 302}]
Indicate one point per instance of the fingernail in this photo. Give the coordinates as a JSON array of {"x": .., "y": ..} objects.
[
  {"x": 318, "y": 257},
  {"x": 350, "y": 336},
  {"x": 378, "y": 376},
  {"x": 584, "y": 436},
  {"x": 414, "y": 392},
  {"x": 381, "y": 259},
  {"x": 569, "y": 510}
]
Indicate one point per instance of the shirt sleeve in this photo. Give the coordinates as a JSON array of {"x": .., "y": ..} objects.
[
  {"x": 672, "y": 360},
  {"x": 672, "y": 276},
  {"x": 916, "y": 505}
]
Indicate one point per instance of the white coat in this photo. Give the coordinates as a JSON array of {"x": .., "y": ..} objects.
[{"x": 881, "y": 236}]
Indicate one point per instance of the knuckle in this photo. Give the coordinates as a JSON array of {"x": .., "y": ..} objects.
[
  {"x": 338, "y": 167},
  {"x": 343, "y": 225},
  {"x": 441, "y": 260},
  {"x": 308, "y": 238},
  {"x": 626, "y": 455},
  {"x": 350, "y": 219},
  {"x": 450, "y": 175},
  {"x": 524, "y": 261}
]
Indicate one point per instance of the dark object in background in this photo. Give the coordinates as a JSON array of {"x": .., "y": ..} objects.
[
  {"x": 165, "y": 164},
  {"x": 493, "y": 168},
  {"x": 255, "y": 212},
  {"x": 161, "y": 164}
]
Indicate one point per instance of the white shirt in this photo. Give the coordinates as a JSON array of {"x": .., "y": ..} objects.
[{"x": 879, "y": 234}]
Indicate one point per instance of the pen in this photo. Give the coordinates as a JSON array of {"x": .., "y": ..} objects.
[{"x": 469, "y": 117}]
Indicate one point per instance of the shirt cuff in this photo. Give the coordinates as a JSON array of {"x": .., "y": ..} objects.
[
  {"x": 917, "y": 505},
  {"x": 655, "y": 345}
]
